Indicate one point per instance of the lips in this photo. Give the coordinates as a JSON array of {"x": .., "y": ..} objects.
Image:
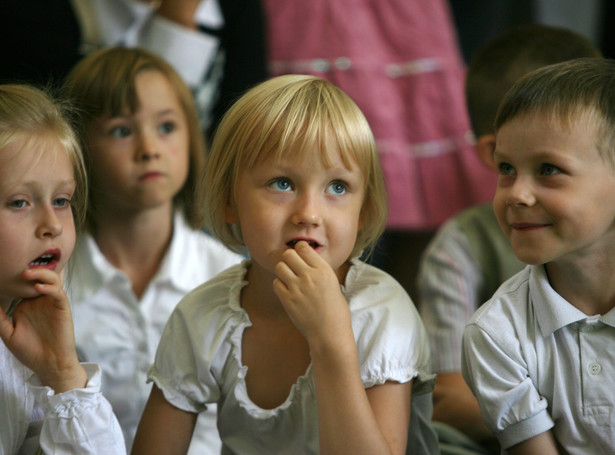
[
  {"x": 314, "y": 244},
  {"x": 48, "y": 260},
  {"x": 527, "y": 226},
  {"x": 150, "y": 175}
]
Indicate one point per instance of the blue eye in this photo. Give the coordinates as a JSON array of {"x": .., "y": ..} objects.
[
  {"x": 506, "y": 169},
  {"x": 61, "y": 202},
  {"x": 166, "y": 128},
  {"x": 120, "y": 132},
  {"x": 337, "y": 188},
  {"x": 281, "y": 184},
  {"x": 549, "y": 169},
  {"x": 18, "y": 204}
]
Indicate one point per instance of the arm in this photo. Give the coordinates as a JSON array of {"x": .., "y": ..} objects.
[
  {"x": 163, "y": 429},
  {"x": 449, "y": 282},
  {"x": 544, "y": 444},
  {"x": 495, "y": 368},
  {"x": 169, "y": 31},
  {"x": 351, "y": 419},
  {"x": 455, "y": 405}
]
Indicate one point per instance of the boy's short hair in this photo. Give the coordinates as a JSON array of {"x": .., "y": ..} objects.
[
  {"x": 567, "y": 92},
  {"x": 103, "y": 84},
  {"x": 502, "y": 60},
  {"x": 33, "y": 115},
  {"x": 292, "y": 114}
]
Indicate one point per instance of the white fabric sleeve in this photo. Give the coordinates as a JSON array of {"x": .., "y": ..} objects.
[
  {"x": 498, "y": 376},
  {"x": 190, "y": 52},
  {"x": 181, "y": 369},
  {"x": 80, "y": 421},
  {"x": 134, "y": 23},
  {"x": 449, "y": 280}
]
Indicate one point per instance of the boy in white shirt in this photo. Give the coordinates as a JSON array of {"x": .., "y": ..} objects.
[{"x": 537, "y": 354}]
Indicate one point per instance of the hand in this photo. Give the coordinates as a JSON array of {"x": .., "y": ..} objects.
[
  {"x": 310, "y": 293},
  {"x": 179, "y": 11},
  {"x": 41, "y": 334}
]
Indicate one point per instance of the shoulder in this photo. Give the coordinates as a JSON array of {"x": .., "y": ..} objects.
[
  {"x": 506, "y": 320},
  {"x": 390, "y": 336},
  {"x": 221, "y": 290},
  {"x": 511, "y": 300},
  {"x": 199, "y": 251},
  {"x": 369, "y": 288}
]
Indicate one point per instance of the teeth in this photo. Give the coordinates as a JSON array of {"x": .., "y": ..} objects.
[
  {"x": 43, "y": 259},
  {"x": 292, "y": 243}
]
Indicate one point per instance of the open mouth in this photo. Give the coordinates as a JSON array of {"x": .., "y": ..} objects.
[
  {"x": 294, "y": 242},
  {"x": 45, "y": 259}
]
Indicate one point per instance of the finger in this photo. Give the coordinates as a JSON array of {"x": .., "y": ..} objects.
[
  {"x": 293, "y": 260},
  {"x": 42, "y": 275},
  {"x": 51, "y": 290},
  {"x": 308, "y": 254},
  {"x": 6, "y": 327},
  {"x": 284, "y": 272}
]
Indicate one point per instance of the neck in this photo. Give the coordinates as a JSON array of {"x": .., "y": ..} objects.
[
  {"x": 137, "y": 244},
  {"x": 588, "y": 285},
  {"x": 258, "y": 295}
]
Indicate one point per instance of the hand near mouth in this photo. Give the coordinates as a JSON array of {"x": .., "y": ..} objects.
[
  {"x": 41, "y": 334},
  {"x": 310, "y": 292}
]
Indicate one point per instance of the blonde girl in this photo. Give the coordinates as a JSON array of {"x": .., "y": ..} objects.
[
  {"x": 304, "y": 348},
  {"x": 144, "y": 248},
  {"x": 50, "y": 402}
]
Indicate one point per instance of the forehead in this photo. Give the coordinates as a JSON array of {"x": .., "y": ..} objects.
[
  {"x": 544, "y": 135},
  {"x": 33, "y": 155}
]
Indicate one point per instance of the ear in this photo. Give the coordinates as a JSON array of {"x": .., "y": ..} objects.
[{"x": 485, "y": 146}]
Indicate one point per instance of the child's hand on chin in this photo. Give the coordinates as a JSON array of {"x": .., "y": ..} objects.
[
  {"x": 41, "y": 334},
  {"x": 310, "y": 292}
]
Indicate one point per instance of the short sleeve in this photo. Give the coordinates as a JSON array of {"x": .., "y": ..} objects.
[
  {"x": 391, "y": 340},
  {"x": 184, "y": 378},
  {"x": 498, "y": 375}
]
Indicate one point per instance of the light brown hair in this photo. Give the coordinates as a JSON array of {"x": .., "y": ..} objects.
[
  {"x": 566, "y": 93},
  {"x": 103, "y": 84}
]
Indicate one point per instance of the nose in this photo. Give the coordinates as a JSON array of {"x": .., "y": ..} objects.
[
  {"x": 147, "y": 147},
  {"x": 307, "y": 211},
  {"x": 521, "y": 193},
  {"x": 49, "y": 225}
]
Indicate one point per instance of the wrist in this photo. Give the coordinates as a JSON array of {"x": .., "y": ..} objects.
[{"x": 74, "y": 377}]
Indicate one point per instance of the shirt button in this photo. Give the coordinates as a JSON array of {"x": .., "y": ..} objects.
[{"x": 594, "y": 368}]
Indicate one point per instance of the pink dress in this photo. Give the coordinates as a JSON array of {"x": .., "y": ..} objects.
[{"x": 399, "y": 61}]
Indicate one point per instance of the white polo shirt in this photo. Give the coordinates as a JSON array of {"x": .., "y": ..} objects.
[
  {"x": 536, "y": 362},
  {"x": 121, "y": 333}
]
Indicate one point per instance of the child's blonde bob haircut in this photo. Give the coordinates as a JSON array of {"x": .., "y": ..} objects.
[
  {"x": 34, "y": 116},
  {"x": 103, "y": 85},
  {"x": 299, "y": 115}
]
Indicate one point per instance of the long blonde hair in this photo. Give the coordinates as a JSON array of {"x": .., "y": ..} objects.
[{"x": 32, "y": 114}]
